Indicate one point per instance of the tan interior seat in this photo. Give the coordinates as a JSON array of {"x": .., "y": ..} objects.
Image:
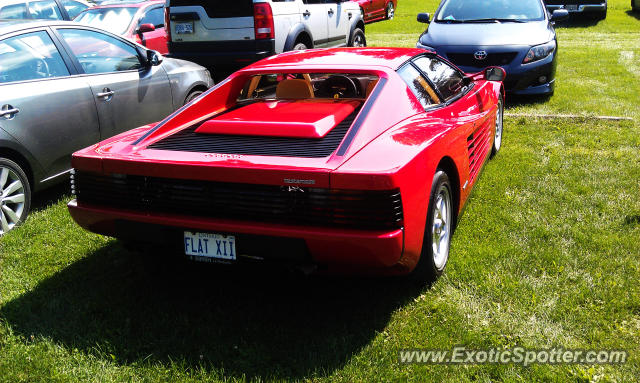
[
  {"x": 294, "y": 89},
  {"x": 370, "y": 86}
]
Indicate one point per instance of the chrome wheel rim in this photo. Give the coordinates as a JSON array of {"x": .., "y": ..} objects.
[
  {"x": 358, "y": 41},
  {"x": 11, "y": 199},
  {"x": 441, "y": 227},
  {"x": 390, "y": 11},
  {"x": 498, "y": 137}
]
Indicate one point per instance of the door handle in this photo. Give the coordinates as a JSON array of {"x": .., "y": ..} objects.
[
  {"x": 306, "y": 13},
  {"x": 106, "y": 94},
  {"x": 8, "y": 112},
  {"x": 330, "y": 11}
]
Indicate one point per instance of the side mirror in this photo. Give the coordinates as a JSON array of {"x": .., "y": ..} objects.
[
  {"x": 494, "y": 73},
  {"x": 424, "y": 18},
  {"x": 154, "y": 58},
  {"x": 144, "y": 28},
  {"x": 559, "y": 15}
]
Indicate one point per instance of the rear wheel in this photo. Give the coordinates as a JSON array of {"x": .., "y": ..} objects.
[
  {"x": 497, "y": 139},
  {"x": 438, "y": 231},
  {"x": 390, "y": 10},
  {"x": 358, "y": 39},
  {"x": 192, "y": 96},
  {"x": 15, "y": 195},
  {"x": 300, "y": 47}
]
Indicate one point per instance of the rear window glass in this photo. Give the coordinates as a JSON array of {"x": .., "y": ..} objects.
[
  {"x": 15, "y": 11},
  {"x": 219, "y": 8},
  {"x": 114, "y": 20},
  {"x": 308, "y": 86}
]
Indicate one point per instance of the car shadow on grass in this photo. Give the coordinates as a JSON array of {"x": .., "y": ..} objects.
[
  {"x": 633, "y": 14},
  {"x": 42, "y": 200},
  {"x": 579, "y": 21},
  {"x": 117, "y": 304}
]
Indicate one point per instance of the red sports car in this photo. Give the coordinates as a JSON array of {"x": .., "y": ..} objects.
[
  {"x": 349, "y": 159},
  {"x": 374, "y": 10},
  {"x": 138, "y": 20}
]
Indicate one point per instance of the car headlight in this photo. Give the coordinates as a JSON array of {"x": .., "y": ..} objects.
[
  {"x": 426, "y": 47},
  {"x": 539, "y": 52}
]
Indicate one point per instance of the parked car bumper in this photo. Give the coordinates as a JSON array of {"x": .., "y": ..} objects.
[
  {"x": 334, "y": 249},
  {"x": 223, "y": 54},
  {"x": 585, "y": 8}
]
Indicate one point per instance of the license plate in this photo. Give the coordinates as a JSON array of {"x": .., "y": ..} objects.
[
  {"x": 572, "y": 7},
  {"x": 210, "y": 246},
  {"x": 184, "y": 28}
]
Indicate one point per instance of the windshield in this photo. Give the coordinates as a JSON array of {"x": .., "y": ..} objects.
[
  {"x": 114, "y": 20},
  {"x": 490, "y": 11}
]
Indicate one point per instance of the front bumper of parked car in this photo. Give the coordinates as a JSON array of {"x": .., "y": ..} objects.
[{"x": 534, "y": 78}]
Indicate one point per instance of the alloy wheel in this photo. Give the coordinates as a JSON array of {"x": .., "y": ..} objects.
[{"x": 12, "y": 199}]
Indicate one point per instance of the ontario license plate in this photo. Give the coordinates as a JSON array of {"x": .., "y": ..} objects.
[
  {"x": 184, "y": 28},
  {"x": 209, "y": 246}
]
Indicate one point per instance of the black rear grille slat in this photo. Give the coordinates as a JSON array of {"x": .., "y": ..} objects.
[
  {"x": 188, "y": 140},
  {"x": 265, "y": 203}
]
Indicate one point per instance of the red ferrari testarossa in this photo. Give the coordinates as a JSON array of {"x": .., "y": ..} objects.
[{"x": 352, "y": 159}]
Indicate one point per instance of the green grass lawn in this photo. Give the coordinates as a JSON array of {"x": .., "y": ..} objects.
[{"x": 546, "y": 254}]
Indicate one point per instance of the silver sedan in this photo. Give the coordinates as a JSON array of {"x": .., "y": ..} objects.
[{"x": 65, "y": 86}]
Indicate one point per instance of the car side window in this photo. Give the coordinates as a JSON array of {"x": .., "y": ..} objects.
[
  {"x": 30, "y": 56},
  {"x": 14, "y": 11},
  {"x": 73, "y": 8},
  {"x": 45, "y": 9},
  {"x": 100, "y": 53},
  {"x": 418, "y": 85},
  {"x": 447, "y": 80},
  {"x": 153, "y": 16}
]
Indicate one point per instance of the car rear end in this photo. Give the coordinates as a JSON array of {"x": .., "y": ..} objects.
[
  {"x": 252, "y": 196},
  {"x": 591, "y": 7},
  {"x": 220, "y": 34}
]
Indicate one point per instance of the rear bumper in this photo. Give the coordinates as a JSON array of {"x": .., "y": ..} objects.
[
  {"x": 586, "y": 8},
  {"x": 334, "y": 249},
  {"x": 223, "y": 54}
]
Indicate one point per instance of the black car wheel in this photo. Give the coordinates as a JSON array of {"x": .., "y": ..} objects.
[
  {"x": 358, "y": 39},
  {"x": 438, "y": 231},
  {"x": 390, "y": 10},
  {"x": 497, "y": 139},
  {"x": 15, "y": 195}
]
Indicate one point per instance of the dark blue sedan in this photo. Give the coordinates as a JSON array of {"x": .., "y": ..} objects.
[{"x": 517, "y": 35}]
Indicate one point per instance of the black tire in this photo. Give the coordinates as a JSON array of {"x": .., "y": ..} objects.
[
  {"x": 432, "y": 263},
  {"x": 300, "y": 46},
  {"x": 357, "y": 38},
  {"x": 390, "y": 11},
  {"x": 15, "y": 195},
  {"x": 497, "y": 138},
  {"x": 192, "y": 96}
]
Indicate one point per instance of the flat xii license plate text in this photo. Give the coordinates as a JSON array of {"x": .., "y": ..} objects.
[{"x": 210, "y": 245}]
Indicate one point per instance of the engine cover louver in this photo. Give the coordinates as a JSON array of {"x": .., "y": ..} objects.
[{"x": 188, "y": 140}]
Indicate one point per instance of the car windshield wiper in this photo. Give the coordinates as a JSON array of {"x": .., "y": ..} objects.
[{"x": 493, "y": 20}]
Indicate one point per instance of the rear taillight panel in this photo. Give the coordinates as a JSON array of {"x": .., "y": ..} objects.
[{"x": 263, "y": 21}]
